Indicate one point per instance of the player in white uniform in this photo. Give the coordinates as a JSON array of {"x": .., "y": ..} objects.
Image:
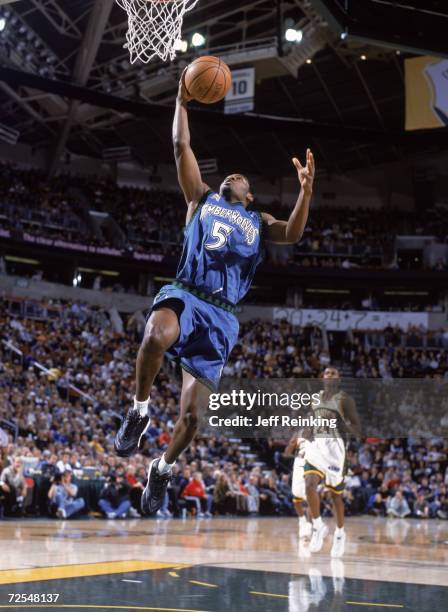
[
  {"x": 296, "y": 447},
  {"x": 325, "y": 459}
]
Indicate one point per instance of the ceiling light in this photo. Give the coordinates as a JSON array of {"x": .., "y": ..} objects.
[
  {"x": 181, "y": 45},
  {"x": 290, "y": 35},
  {"x": 363, "y": 57},
  {"x": 197, "y": 40},
  {"x": 293, "y": 35},
  {"x": 2, "y": 24}
]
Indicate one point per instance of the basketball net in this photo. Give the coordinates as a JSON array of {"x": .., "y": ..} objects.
[{"x": 154, "y": 27}]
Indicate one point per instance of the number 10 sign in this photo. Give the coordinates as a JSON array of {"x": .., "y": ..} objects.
[{"x": 240, "y": 98}]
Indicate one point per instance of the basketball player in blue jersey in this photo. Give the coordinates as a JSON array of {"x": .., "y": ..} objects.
[{"x": 192, "y": 320}]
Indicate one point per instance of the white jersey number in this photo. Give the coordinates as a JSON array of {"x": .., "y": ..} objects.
[{"x": 220, "y": 232}]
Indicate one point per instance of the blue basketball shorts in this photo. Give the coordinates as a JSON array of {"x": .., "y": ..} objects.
[{"x": 207, "y": 336}]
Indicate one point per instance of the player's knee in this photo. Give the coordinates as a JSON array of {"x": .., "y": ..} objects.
[
  {"x": 156, "y": 340},
  {"x": 310, "y": 484}
]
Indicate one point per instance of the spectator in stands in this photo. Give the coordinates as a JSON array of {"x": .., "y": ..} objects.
[
  {"x": 269, "y": 500},
  {"x": 182, "y": 478},
  {"x": 442, "y": 505},
  {"x": 13, "y": 488},
  {"x": 208, "y": 476},
  {"x": 398, "y": 506},
  {"x": 64, "y": 463},
  {"x": 137, "y": 483},
  {"x": 194, "y": 492},
  {"x": 285, "y": 494},
  {"x": 239, "y": 492},
  {"x": 115, "y": 501},
  {"x": 224, "y": 498},
  {"x": 63, "y": 496},
  {"x": 253, "y": 499},
  {"x": 421, "y": 507},
  {"x": 376, "y": 505},
  {"x": 48, "y": 465}
]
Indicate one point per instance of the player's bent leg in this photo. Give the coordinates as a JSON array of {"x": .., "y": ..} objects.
[
  {"x": 319, "y": 529},
  {"x": 161, "y": 332},
  {"x": 338, "y": 547},
  {"x": 193, "y": 400},
  {"x": 194, "y": 397}
]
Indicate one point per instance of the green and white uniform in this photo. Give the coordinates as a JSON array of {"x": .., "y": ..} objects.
[{"x": 325, "y": 454}]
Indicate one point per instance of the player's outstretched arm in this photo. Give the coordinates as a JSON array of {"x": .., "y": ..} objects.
[
  {"x": 290, "y": 232},
  {"x": 188, "y": 172}
]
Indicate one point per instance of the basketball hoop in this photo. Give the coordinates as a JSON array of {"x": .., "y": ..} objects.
[{"x": 154, "y": 27}]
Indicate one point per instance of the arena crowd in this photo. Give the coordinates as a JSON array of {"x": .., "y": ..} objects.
[
  {"x": 152, "y": 221},
  {"x": 62, "y": 462}
]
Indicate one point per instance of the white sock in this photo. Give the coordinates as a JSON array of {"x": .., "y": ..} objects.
[
  {"x": 318, "y": 523},
  {"x": 142, "y": 407},
  {"x": 339, "y": 531},
  {"x": 163, "y": 466}
]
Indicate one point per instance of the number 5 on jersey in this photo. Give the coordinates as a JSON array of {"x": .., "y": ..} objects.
[{"x": 220, "y": 232}]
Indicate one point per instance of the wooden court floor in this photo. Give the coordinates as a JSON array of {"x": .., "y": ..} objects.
[{"x": 213, "y": 565}]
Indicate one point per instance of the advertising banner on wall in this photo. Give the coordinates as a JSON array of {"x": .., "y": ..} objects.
[{"x": 342, "y": 320}]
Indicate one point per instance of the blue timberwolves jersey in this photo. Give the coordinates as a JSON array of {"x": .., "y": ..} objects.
[{"x": 222, "y": 248}]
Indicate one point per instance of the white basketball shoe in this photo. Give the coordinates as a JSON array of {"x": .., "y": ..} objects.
[
  {"x": 318, "y": 534},
  {"x": 338, "y": 548}
]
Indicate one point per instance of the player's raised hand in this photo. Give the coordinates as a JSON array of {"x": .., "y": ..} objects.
[
  {"x": 183, "y": 94},
  {"x": 305, "y": 173}
]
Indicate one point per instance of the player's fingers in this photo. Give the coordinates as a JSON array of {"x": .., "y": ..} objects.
[
  {"x": 182, "y": 79},
  {"x": 308, "y": 159},
  {"x": 312, "y": 161},
  {"x": 183, "y": 88},
  {"x": 296, "y": 163}
]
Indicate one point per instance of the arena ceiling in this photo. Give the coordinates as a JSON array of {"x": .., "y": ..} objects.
[{"x": 67, "y": 85}]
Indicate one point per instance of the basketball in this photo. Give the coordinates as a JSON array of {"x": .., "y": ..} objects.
[{"x": 208, "y": 79}]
